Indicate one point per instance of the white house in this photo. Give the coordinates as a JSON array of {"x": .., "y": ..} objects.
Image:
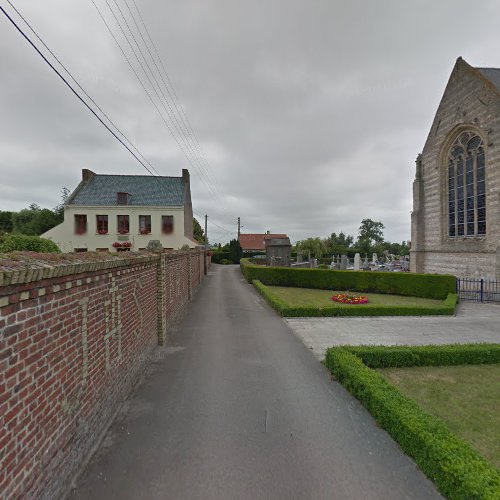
[{"x": 125, "y": 212}]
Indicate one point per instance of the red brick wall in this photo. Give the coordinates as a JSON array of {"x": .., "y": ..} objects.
[{"x": 73, "y": 340}]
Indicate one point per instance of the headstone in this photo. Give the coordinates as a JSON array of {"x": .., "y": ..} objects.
[
  {"x": 374, "y": 258},
  {"x": 365, "y": 262},
  {"x": 300, "y": 257},
  {"x": 357, "y": 262},
  {"x": 343, "y": 262}
]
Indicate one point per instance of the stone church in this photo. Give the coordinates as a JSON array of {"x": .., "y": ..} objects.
[{"x": 455, "y": 223}]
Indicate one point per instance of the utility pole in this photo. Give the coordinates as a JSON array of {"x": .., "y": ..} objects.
[
  {"x": 239, "y": 228},
  {"x": 206, "y": 229}
]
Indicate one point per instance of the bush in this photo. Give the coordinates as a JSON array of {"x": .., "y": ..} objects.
[
  {"x": 20, "y": 242},
  {"x": 457, "y": 470},
  {"x": 431, "y": 286},
  {"x": 283, "y": 309},
  {"x": 225, "y": 262}
]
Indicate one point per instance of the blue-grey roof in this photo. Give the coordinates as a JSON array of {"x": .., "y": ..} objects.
[
  {"x": 143, "y": 190},
  {"x": 492, "y": 74}
]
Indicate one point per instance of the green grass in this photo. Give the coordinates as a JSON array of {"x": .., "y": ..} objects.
[
  {"x": 304, "y": 302},
  {"x": 466, "y": 397},
  {"x": 323, "y": 298}
]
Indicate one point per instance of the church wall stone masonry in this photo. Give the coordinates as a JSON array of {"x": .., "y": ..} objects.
[{"x": 456, "y": 192}]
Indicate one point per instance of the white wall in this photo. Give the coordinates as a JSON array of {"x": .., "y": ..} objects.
[{"x": 65, "y": 237}]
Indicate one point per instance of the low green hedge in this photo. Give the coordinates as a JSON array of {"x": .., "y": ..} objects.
[
  {"x": 283, "y": 309},
  {"x": 23, "y": 242},
  {"x": 427, "y": 355},
  {"x": 431, "y": 286},
  {"x": 458, "y": 471}
]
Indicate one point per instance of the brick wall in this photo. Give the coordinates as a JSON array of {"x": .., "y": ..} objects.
[{"x": 73, "y": 339}]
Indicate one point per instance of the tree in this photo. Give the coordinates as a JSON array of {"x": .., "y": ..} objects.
[
  {"x": 313, "y": 245},
  {"x": 338, "y": 244},
  {"x": 371, "y": 231},
  {"x": 33, "y": 220},
  {"x": 5, "y": 222},
  {"x": 59, "y": 210},
  {"x": 235, "y": 251},
  {"x": 198, "y": 232}
]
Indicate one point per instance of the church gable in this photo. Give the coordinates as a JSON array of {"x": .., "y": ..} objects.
[{"x": 456, "y": 215}]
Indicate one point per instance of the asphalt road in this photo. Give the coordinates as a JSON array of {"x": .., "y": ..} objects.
[{"x": 235, "y": 407}]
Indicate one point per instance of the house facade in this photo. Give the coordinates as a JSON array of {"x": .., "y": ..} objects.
[
  {"x": 456, "y": 192},
  {"x": 124, "y": 212},
  {"x": 256, "y": 242}
]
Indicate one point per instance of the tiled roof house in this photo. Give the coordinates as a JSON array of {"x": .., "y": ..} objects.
[
  {"x": 257, "y": 242},
  {"x": 120, "y": 212}
]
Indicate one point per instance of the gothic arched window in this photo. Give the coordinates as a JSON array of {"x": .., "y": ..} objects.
[{"x": 466, "y": 187}]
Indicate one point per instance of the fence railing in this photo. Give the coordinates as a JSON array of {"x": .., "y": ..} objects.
[{"x": 479, "y": 290}]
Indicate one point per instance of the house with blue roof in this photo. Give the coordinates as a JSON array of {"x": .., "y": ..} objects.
[{"x": 124, "y": 212}]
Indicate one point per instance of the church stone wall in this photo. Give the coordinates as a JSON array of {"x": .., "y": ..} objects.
[{"x": 470, "y": 102}]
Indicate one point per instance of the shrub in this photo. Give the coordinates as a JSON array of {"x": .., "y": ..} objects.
[
  {"x": 20, "y": 242},
  {"x": 225, "y": 262},
  {"x": 432, "y": 286},
  {"x": 283, "y": 309},
  {"x": 457, "y": 470}
]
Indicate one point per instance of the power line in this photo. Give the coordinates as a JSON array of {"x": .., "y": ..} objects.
[
  {"x": 183, "y": 147},
  {"x": 72, "y": 89},
  {"x": 80, "y": 87}
]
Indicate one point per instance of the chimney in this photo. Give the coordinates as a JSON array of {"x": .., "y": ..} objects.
[
  {"x": 268, "y": 232},
  {"x": 185, "y": 175},
  {"x": 87, "y": 175}
]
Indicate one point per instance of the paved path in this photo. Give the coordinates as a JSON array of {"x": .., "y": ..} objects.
[
  {"x": 236, "y": 408},
  {"x": 474, "y": 322}
]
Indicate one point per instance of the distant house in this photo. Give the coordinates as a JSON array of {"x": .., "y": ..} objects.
[
  {"x": 456, "y": 192},
  {"x": 257, "y": 242},
  {"x": 125, "y": 212}
]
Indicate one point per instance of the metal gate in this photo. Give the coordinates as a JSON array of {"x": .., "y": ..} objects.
[{"x": 479, "y": 290}]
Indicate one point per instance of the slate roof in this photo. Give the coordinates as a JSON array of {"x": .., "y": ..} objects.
[
  {"x": 144, "y": 190},
  {"x": 492, "y": 74},
  {"x": 257, "y": 241}
]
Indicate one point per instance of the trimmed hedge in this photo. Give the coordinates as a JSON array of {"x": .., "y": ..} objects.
[
  {"x": 430, "y": 286},
  {"x": 283, "y": 309},
  {"x": 427, "y": 355},
  {"x": 458, "y": 471}
]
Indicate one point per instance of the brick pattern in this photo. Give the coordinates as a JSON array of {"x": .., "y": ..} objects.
[
  {"x": 469, "y": 103},
  {"x": 71, "y": 347}
]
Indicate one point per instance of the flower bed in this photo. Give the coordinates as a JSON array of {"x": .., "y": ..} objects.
[{"x": 345, "y": 298}]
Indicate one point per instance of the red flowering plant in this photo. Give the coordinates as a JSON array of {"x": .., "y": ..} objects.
[
  {"x": 145, "y": 231},
  {"x": 345, "y": 298},
  {"x": 102, "y": 231}
]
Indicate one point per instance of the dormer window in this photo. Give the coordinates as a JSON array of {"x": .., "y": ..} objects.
[{"x": 122, "y": 198}]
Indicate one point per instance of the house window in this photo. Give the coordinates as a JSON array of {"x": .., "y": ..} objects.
[
  {"x": 145, "y": 224},
  {"x": 80, "y": 223},
  {"x": 102, "y": 224},
  {"x": 466, "y": 187},
  {"x": 123, "y": 224},
  {"x": 167, "y": 224},
  {"x": 122, "y": 198}
]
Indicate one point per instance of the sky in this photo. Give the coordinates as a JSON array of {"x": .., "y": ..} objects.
[{"x": 308, "y": 116}]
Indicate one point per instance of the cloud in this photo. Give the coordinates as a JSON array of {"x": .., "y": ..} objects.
[{"x": 310, "y": 113}]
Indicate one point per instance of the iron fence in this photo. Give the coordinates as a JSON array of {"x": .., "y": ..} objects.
[{"x": 479, "y": 290}]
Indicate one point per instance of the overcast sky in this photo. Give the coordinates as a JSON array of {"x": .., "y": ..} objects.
[{"x": 310, "y": 113}]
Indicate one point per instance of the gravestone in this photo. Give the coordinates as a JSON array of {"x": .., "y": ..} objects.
[
  {"x": 343, "y": 262},
  {"x": 357, "y": 262},
  {"x": 300, "y": 258},
  {"x": 374, "y": 258}
]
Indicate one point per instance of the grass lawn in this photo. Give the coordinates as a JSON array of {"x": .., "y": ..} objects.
[
  {"x": 466, "y": 397},
  {"x": 308, "y": 297}
]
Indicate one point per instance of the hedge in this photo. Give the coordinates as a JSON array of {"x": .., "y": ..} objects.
[
  {"x": 446, "y": 309},
  {"x": 427, "y": 355},
  {"x": 431, "y": 286},
  {"x": 23, "y": 242},
  {"x": 218, "y": 256},
  {"x": 458, "y": 471}
]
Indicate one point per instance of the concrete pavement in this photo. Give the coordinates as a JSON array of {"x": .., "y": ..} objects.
[
  {"x": 234, "y": 407},
  {"x": 474, "y": 322}
]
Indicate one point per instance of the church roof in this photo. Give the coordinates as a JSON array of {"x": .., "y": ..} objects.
[{"x": 492, "y": 74}]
